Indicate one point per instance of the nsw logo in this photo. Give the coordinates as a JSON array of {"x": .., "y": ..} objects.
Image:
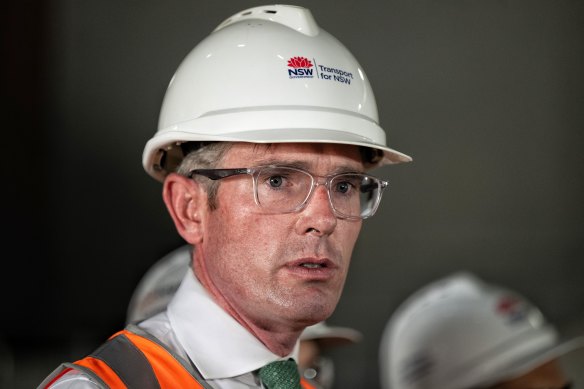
[{"x": 300, "y": 67}]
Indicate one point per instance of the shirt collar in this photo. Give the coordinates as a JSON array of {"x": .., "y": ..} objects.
[{"x": 216, "y": 343}]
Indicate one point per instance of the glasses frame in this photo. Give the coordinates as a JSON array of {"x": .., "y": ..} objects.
[{"x": 219, "y": 174}]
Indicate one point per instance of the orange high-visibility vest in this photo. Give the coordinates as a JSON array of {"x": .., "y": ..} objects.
[{"x": 132, "y": 359}]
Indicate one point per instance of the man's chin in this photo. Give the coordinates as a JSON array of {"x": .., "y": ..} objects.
[{"x": 315, "y": 313}]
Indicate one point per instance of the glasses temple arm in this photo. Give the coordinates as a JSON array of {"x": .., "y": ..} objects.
[{"x": 217, "y": 174}]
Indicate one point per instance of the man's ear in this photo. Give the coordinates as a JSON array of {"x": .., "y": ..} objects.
[{"x": 187, "y": 203}]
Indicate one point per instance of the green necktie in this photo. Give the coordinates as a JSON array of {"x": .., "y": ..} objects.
[{"x": 280, "y": 375}]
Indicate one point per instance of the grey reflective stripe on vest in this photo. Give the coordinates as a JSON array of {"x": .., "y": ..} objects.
[{"x": 128, "y": 362}]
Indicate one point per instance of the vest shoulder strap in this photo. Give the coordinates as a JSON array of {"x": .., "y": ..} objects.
[{"x": 138, "y": 361}]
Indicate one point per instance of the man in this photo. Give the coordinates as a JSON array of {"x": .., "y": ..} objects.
[
  {"x": 462, "y": 333},
  {"x": 159, "y": 284},
  {"x": 265, "y": 134}
]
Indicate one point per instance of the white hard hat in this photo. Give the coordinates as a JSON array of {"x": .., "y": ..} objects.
[
  {"x": 461, "y": 333},
  {"x": 267, "y": 74},
  {"x": 330, "y": 336}
]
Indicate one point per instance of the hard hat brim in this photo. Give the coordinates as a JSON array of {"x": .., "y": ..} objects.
[
  {"x": 273, "y": 126},
  {"x": 519, "y": 367},
  {"x": 331, "y": 336}
]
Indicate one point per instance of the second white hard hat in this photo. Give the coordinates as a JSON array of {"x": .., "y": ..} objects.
[
  {"x": 330, "y": 336},
  {"x": 268, "y": 74},
  {"x": 159, "y": 284},
  {"x": 462, "y": 333}
]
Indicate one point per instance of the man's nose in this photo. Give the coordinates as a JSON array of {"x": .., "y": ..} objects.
[{"x": 318, "y": 215}]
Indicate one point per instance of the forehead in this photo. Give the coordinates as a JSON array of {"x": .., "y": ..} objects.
[{"x": 309, "y": 154}]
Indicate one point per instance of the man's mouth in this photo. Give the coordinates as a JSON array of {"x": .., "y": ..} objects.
[
  {"x": 313, "y": 269},
  {"x": 313, "y": 265}
]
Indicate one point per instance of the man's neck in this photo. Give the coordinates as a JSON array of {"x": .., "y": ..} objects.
[{"x": 280, "y": 341}]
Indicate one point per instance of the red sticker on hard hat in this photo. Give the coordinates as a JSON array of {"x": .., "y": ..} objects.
[
  {"x": 511, "y": 307},
  {"x": 302, "y": 67}
]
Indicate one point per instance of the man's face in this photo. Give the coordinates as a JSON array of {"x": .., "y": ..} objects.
[{"x": 278, "y": 269}]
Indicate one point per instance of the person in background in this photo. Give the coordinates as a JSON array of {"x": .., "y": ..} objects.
[
  {"x": 267, "y": 134},
  {"x": 460, "y": 332},
  {"x": 315, "y": 342},
  {"x": 159, "y": 284}
]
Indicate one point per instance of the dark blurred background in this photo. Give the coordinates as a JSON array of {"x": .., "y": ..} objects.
[{"x": 487, "y": 96}]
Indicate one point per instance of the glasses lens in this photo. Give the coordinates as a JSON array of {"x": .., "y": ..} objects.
[
  {"x": 355, "y": 195},
  {"x": 286, "y": 189},
  {"x": 282, "y": 189}
]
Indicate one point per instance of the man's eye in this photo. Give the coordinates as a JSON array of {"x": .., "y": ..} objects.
[
  {"x": 276, "y": 181},
  {"x": 343, "y": 187}
]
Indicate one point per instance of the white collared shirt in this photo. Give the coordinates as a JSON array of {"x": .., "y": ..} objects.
[{"x": 196, "y": 328}]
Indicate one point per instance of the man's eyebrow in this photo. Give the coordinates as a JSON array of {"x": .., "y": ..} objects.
[
  {"x": 305, "y": 166},
  {"x": 282, "y": 162}
]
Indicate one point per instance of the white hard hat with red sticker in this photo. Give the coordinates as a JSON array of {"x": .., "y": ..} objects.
[
  {"x": 268, "y": 74},
  {"x": 460, "y": 333}
]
